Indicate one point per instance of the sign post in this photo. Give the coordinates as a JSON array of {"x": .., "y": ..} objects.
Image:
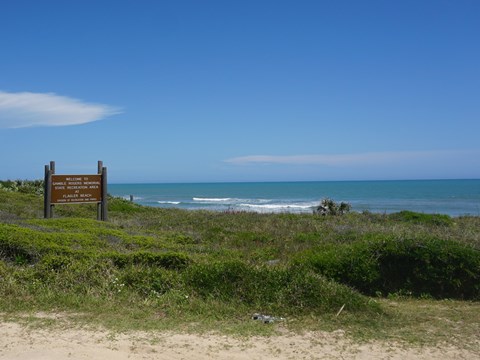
[
  {"x": 76, "y": 189},
  {"x": 47, "y": 205}
]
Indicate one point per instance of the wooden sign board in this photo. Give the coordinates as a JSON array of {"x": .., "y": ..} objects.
[{"x": 76, "y": 189}]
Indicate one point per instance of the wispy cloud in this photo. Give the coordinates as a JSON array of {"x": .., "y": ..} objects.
[
  {"x": 370, "y": 158},
  {"x": 26, "y": 109}
]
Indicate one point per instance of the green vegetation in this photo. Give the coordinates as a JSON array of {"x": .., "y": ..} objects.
[
  {"x": 419, "y": 218},
  {"x": 23, "y": 186},
  {"x": 329, "y": 207},
  {"x": 421, "y": 267},
  {"x": 151, "y": 268}
]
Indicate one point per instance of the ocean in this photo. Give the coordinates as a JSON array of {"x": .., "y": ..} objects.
[{"x": 452, "y": 197}]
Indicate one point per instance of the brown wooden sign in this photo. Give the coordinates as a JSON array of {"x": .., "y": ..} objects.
[{"x": 76, "y": 189}]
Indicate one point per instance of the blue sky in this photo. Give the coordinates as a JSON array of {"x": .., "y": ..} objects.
[{"x": 200, "y": 91}]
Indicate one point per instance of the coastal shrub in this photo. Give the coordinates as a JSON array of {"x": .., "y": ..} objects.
[
  {"x": 421, "y": 218},
  {"x": 87, "y": 274},
  {"x": 53, "y": 262},
  {"x": 309, "y": 291},
  {"x": 146, "y": 281},
  {"x": 19, "y": 253},
  {"x": 329, "y": 207},
  {"x": 434, "y": 267},
  {"x": 78, "y": 225},
  {"x": 86, "y": 235},
  {"x": 248, "y": 237},
  {"x": 34, "y": 243},
  {"x": 116, "y": 204},
  {"x": 349, "y": 263},
  {"x": 224, "y": 280},
  {"x": 59, "y": 274},
  {"x": 180, "y": 239},
  {"x": 168, "y": 260},
  {"x": 290, "y": 290},
  {"x": 15, "y": 245},
  {"x": 14, "y": 205},
  {"x": 35, "y": 187}
]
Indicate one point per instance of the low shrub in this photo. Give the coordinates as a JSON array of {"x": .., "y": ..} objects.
[
  {"x": 147, "y": 281},
  {"x": 290, "y": 290},
  {"x": 116, "y": 204},
  {"x": 15, "y": 245},
  {"x": 434, "y": 267},
  {"x": 329, "y": 207},
  {"x": 52, "y": 262},
  {"x": 169, "y": 260},
  {"x": 20, "y": 253},
  {"x": 421, "y": 218},
  {"x": 224, "y": 280},
  {"x": 23, "y": 186},
  {"x": 15, "y": 205}
]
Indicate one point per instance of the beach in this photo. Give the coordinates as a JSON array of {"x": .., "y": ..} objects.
[{"x": 20, "y": 342}]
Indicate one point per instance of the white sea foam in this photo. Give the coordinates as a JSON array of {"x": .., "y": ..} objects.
[
  {"x": 212, "y": 199},
  {"x": 278, "y": 207},
  {"x": 127, "y": 197},
  {"x": 169, "y": 202}
]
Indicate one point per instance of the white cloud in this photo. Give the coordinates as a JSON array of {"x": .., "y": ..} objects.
[
  {"x": 361, "y": 159},
  {"x": 26, "y": 109}
]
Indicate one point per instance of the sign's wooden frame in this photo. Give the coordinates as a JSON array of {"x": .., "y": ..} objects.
[{"x": 75, "y": 189}]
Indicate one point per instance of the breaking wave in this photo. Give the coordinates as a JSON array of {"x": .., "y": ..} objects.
[
  {"x": 279, "y": 207},
  {"x": 212, "y": 199}
]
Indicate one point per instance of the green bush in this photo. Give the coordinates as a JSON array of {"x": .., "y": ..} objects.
[
  {"x": 170, "y": 260},
  {"x": 329, "y": 207},
  {"x": 290, "y": 290},
  {"x": 35, "y": 187},
  {"x": 15, "y": 245},
  {"x": 225, "y": 280},
  {"x": 20, "y": 253},
  {"x": 434, "y": 267},
  {"x": 421, "y": 218},
  {"x": 64, "y": 274},
  {"x": 52, "y": 262},
  {"x": 146, "y": 281},
  {"x": 116, "y": 204},
  {"x": 31, "y": 244}
]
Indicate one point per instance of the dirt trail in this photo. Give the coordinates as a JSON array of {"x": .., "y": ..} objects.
[{"x": 18, "y": 342}]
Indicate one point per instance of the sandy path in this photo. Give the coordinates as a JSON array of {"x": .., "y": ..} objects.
[{"x": 18, "y": 343}]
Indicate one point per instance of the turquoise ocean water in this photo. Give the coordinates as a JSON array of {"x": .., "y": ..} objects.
[{"x": 452, "y": 197}]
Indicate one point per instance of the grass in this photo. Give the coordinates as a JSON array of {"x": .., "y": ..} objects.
[{"x": 151, "y": 268}]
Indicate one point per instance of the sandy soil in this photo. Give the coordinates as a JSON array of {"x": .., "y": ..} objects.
[{"x": 18, "y": 342}]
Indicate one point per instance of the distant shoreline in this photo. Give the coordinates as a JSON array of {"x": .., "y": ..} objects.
[
  {"x": 451, "y": 197},
  {"x": 279, "y": 181}
]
